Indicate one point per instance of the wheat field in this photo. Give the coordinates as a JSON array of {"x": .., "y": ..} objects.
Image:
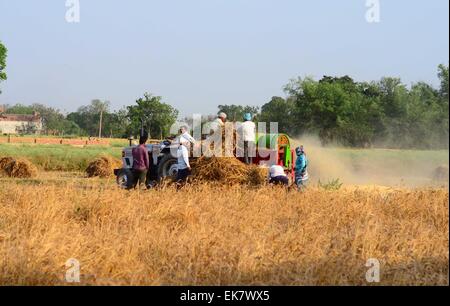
[{"x": 207, "y": 235}]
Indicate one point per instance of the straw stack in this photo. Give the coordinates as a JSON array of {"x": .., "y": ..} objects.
[
  {"x": 103, "y": 167},
  {"x": 17, "y": 168}
]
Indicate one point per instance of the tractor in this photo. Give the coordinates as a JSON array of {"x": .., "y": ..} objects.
[
  {"x": 271, "y": 149},
  {"x": 162, "y": 163}
]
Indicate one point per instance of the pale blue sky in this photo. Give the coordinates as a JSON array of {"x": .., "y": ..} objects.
[{"x": 201, "y": 53}]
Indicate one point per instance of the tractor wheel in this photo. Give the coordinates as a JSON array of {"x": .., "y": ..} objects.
[
  {"x": 167, "y": 167},
  {"x": 125, "y": 179}
]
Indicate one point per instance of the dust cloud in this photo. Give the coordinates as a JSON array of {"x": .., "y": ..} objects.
[{"x": 384, "y": 167}]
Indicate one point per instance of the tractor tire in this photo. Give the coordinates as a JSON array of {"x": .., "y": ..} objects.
[
  {"x": 167, "y": 167},
  {"x": 125, "y": 179}
]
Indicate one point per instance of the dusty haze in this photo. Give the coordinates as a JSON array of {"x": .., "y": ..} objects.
[{"x": 412, "y": 168}]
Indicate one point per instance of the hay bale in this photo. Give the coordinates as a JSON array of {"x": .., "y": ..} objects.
[
  {"x": 227, "y": 170},
  {"x": 257, "y": 176},
  {"x": 441, "y": 173},
  {"x": 23, "y": 168},
  {"x": 17, "y": 168},
  {"x": 103, "y": 167},
  {"x": 4, "y": 162}
]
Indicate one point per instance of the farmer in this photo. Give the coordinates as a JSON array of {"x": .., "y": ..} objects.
[
  {"x": 214, "y": 131},
  {"x": 218, "y": 125},
  {"x": 301, "y": 165},
  {"x": 277, "y": 176},
  {"x": 184, "y": 168},
  {"x": 248, "y": 133},
  {"x": 184, "y": 135},
  {"x": 141, "y": 162},
  {"x": 221, "y": 119}
]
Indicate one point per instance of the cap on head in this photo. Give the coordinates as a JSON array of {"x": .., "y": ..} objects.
[
  {"x": 300, "y": 150},
  {"x": 248, "y": 117},
  {"x": 222, "y": 115}
]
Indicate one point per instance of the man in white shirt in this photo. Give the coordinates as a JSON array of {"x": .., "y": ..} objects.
[
  {"x": 184, "y": 135},
  {"x": 184, "y": 168},
  {"x": 221, "y": 119},
  {"x": 218, "y": 124},
  {"x": 277, "y": 176},
  {"x": 248, "y": 132}
]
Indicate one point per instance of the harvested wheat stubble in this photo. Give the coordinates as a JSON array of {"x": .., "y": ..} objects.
[
  {"x": 103, "y": 166},
  {"x": 17, "y": 168},
  {"x": 227, "y": 170},
  {"x": 223, "y": 235}
]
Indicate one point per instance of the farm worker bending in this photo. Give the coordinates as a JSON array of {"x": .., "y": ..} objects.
[
  {"x": 248, "y": 132},
  {"x": 184, "y": 168},
  {"x": 277, "y": 176},
  {"x": 301, "y": 165},
  {"x": 141, "y": 162}
]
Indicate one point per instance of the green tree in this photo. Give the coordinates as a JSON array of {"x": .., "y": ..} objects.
[
  {"x": 281, "y": 111},
  {"x": 337, "y": 109},
  {"x": 19, "y": 109},
  {"x": 3, "y": 54},
  {"x": 116, "y": 124},
  {"x": 156, "y": 116},
  {"x": 236, "y": 112},
  {"x": 54, "y": 121},
  {"x": 393, "y": 97},
  {"x": 443, "y": 77},
  {"x": 88, "y": 118}
]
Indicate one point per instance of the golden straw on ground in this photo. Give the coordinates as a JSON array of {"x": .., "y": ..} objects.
[
  {"x": 17, "y": 168},
  {"x": 228, "y": 171},
  {"x": 220, "y": 235},
  {"x": 103, "y": 166}
]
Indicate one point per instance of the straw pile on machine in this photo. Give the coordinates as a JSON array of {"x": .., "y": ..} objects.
[
  {"x": 228, "y": 171},
  {"x": 17, "y": 168},
  {"x": 103, "y": 166}
]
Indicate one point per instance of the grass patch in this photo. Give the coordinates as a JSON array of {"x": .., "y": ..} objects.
[{"x": 58, "y": 157}]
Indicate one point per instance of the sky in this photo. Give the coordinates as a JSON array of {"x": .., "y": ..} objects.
[{"x": 198, "y": 54}]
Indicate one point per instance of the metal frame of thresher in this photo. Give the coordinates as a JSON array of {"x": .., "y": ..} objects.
[{"x": 277, "y": 151}]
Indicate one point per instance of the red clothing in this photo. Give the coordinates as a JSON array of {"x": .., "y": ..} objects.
[{"x": 140, "y": 158}]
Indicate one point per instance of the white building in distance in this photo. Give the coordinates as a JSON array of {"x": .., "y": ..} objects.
[{"x": 20, "y": 124}]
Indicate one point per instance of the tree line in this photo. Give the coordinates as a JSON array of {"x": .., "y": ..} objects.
[
  {"x": 98, "y": 120},
  {"x": 383, "y": 113},
  {"x": 340, "y": 110}
]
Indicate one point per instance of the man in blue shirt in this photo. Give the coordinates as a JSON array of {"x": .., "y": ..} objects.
[{"x": 301, "y": 165}]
